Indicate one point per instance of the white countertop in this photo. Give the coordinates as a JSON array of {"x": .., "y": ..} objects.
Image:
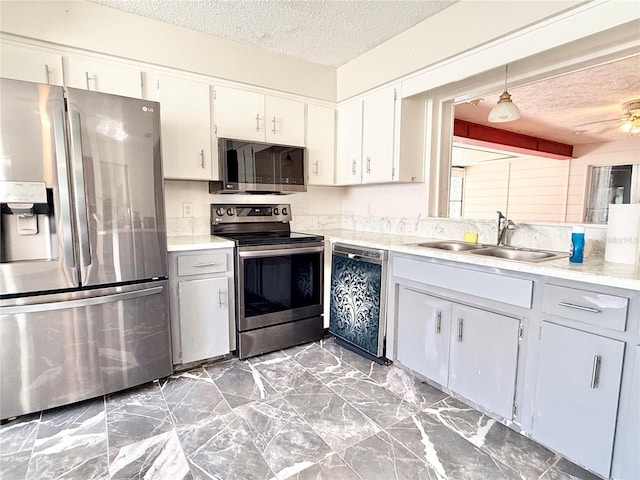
[
  {"x": 592, "y": 270},
  {"x": 197, "y": 242}
]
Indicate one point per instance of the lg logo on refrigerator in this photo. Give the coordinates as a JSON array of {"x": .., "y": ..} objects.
[{"x": 147, "y": 109}]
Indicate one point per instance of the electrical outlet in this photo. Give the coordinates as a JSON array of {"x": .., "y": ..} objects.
[{"x": 187, "y": 209}]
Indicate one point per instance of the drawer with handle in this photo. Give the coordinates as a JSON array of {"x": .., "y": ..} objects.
[
  {"x": 202, "y": 263},
  {"x": 608, "y": 311}
]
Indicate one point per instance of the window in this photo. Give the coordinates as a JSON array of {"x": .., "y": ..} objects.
[
  {"x": 610, "y": 184},
  {"x": 455, "y": 192}
]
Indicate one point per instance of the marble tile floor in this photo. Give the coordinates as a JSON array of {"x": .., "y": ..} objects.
[{"x": 316, "y": 411}]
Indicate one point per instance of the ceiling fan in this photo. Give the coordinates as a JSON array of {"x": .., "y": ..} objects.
[{"x": 630, "y": 123}]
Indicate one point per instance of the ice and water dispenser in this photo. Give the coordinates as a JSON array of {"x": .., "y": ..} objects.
[{"x": 27, "y": 229}]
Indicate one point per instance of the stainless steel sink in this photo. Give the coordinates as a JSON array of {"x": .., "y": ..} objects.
[
  {"x": 452, "y": 245},
  {"x": 519, "y": 254}
]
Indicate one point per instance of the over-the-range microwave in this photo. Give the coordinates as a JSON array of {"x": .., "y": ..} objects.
[{"x": 251, "y": 167}]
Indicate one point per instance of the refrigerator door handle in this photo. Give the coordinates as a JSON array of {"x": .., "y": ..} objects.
[
  {"x": 78, "y": 184},
  {"x": 83, "y": 302},
  {"x": 63, "y": 185}
]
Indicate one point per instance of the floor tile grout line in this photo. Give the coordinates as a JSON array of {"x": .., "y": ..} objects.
[
  {"x": 311, "y": 426},
  {"x": 350, "y": 403},
  {"x": 357, "y": 409},
  {"x": 173, "y": 423},
  {"x": 106, "y": 431},
  {"x": 33, "y": 446},
  {"x": 241, "y": 419},
  {"x": 369, "y": 376},
  {"x": 410, "y": 416},
  {"x": 296, "y": 411}
]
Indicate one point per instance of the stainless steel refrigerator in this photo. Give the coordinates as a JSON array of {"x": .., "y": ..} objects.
[{"x": 83, "y": 269}]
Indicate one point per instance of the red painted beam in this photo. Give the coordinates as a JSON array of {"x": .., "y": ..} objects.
[{"x": 490, "y": 137}]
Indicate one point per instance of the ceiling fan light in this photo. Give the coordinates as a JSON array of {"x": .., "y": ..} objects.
[
  {"x": 626, "y": 126},
  {"x": 505, "y": 110}
]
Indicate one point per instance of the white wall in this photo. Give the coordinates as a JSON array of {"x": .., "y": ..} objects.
[
  {"x": 97, "y": 28},
  {"x": 454, "y": 30}
]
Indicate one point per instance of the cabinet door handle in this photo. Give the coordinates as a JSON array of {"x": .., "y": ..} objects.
[
  {"x": 46, "y": 73},
  {"x": 438, "y": 322},
  {"x": 595, "y": 373},
  {"x": 219, "y": 298},
  {"x": 368, "y": 164},
  {"x": 274, "y": 124},
  {"x": 315, "y": 167},
  {"x": 87, "y": 78},
  {"x": 208, "y": 264},
  {"x": 257, "y": 122},
  {"x": 202, "y": 158},
  {"x": 579, "y": 307},
  {"x": 353, "y": 166},
  {"x": 460, "y": 322}
]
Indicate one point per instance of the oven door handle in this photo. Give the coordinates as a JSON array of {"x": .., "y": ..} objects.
[{"x": 279, "y": 252}]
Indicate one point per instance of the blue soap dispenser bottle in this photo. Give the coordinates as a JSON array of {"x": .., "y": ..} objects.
[{"x": 577, "y": 245}]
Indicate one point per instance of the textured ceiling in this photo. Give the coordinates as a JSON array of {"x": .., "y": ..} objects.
[
  {"x": 329, "y": 32},
  {"x": 576, "y": 108},
  {"x": 333, "y": 32}
]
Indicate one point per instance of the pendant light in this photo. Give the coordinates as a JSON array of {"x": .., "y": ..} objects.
[{"x": 505, "y": 110}]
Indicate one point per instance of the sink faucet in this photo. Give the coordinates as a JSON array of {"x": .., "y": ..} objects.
[{"x": 504, "y": 224}]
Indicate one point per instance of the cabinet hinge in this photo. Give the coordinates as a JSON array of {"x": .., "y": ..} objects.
[
  {"x": 157, "y": 84},
  {"x": 393, "y": 173},
  {"x": 214, "y": 94},
  {"x": 520, "y": 332},
  {"x": 215, "y": 129},
  {"x": 395, "y": 94},
  {"x": 515, "y": 409}
]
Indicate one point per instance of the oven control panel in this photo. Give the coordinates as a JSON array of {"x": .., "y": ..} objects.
[{"x": 243, "y": 213}]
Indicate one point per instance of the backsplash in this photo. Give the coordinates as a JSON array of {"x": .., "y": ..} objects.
[
  {"x": 320, "y": 208},
  {"x": 528, "y": 235}
]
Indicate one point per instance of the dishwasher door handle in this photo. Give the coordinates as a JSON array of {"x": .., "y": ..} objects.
[{"x": 358, "y": 258}]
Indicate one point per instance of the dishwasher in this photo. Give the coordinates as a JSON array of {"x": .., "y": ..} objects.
[{"x": 358, "y": 299}]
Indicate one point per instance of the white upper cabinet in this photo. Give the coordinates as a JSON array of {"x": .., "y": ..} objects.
[
  {"x": 246, "y": 115},
  {"x": 31, "y": 65},
  {"x": 380, "y": 139},
  {"x": 284, "y": 121},
  {"x": 369, "y": 137},
  {"x": 349, "y": 161},
  {"x": 378, "y": 136},
  {"x": 89, "y": 73},
  {"x": 185, "y": 114},
  {"x": 321, "y": 130},
  {"x": 239, "y": 114}
]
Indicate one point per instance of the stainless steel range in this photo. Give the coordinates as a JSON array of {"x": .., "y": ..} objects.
[{"x": 279, "y": 277}]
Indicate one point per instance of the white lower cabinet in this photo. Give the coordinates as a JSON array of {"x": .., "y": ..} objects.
[
  {"x": 202, "y": 306},
  {"x": 484, "y": 358},
  {"x": 204, "y": 318},
  {"x": 424, "y": 324},
  {"x": 577, "y": 388},
  {"x": 471, "y": 351}
]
